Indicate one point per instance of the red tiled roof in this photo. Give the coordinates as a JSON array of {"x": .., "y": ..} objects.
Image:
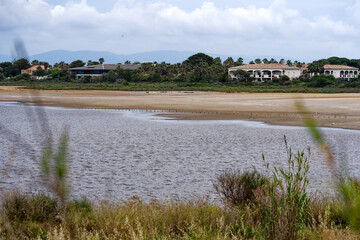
[
  {"x": 35, "y": 67},
  {"x": 264, "y": 66},
  {"x": 339, "y": 67}
]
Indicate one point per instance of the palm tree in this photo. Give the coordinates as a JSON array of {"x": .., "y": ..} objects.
[
  {"x": 239, "y": 62},
  {"x": 101, "y": 60},
  {"x": 258, "y": 61},
  {"x": 265, "y": 61},
  {"x": 272, "y": 60},
  {"x": 229, "y": 62}
]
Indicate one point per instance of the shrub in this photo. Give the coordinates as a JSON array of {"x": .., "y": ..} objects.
[
  {"x": 236, "y": 187},
  {"x": 36, "y": 208},
  {"x": 350, "y": 193},
  {"x": 322, "y": 81},
  {"x": 84, "y": 206},
  {"x": 23, "y": 76}
]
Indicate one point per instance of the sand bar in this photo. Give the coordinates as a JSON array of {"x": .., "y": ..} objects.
[{"x": 330, "y": 110}]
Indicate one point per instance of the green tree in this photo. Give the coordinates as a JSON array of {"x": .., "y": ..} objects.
[
  {"x": 282, "y": 61},
  {"x": 8, "y": 69},
  {"x": 101, "y": 60},
  {"x": 239, "y": 62},
  {"x": 316, "y": 67},
  {"x": 241, "y": 76},
  {"x": 258, "y": 61},
  {"x": 77, "y": 63},
  {"x": 229, "y": 62},
  {"x": 289, "y": 63},
  {"x": 272, "y": 60},
  {"x": 282, "y": 80},
  {"x": 62, "y": 65},
  {"x": 39, "y": 72},
  {"x": 54, "y": 72},
  {"x": 217, "y": 61},
  {"x": 90, "y": 63},
  {"x": 22, "y": 76},
  {"x": 20, "y": 64},
  {"x": 322, "y": 81},
  {"x": 111, "y": 76},
  {"x": 127, "y": 62},
  {"x": 45, "y": 64},
  {"x": 125, "y": 74},
  {"x": 199, "y": 58},
  {"x": 265, "y": 61},
  {"x": 35, "y": 62}
]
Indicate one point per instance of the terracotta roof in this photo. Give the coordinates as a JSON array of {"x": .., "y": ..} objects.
[
  {"x": 264, "y": 66},
  {"x": 339, "y": 67},
  {"x": 35, "y": 67}
]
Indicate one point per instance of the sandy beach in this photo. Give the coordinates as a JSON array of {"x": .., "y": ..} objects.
[{"x": 330, "y": 110}]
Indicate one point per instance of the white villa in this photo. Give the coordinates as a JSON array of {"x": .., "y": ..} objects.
[
  {"x": 262, "y": 72},
  {"x": 341, "y": 71}
]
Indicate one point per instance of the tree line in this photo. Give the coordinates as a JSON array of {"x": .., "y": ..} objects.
[{"x": 198, "y": 68}]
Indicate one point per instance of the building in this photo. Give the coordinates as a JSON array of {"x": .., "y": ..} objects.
[
  {"x": 99, "y": 69},
  {"x": 341, "y": 71},
  {"x": 266, "y": 72},
  {"x": 32, "y": 69}
]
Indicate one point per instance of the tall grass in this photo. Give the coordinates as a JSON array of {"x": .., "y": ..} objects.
[
  {"x": 348, "y": 187},
  {"x": 286, "y": 205}
]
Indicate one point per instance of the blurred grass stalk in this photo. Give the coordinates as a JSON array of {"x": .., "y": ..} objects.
[
  {"x": 348, "y": 187},
  {"x": 54, "y": 168}
]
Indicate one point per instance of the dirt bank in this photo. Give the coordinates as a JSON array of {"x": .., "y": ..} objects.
[{"x": 332, "y": 110}]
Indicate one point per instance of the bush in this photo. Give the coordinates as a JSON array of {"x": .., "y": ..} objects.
[
  {"x": 322, "y": 81},
  {"x": 36, "y": 208},
  {"x": 23, "y": 76},
  {"x": 84, "y": 206},
  {"x": 236, "y": 187}
]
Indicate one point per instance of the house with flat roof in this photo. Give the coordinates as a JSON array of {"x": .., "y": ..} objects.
[
  {"x": 99, "y": 69},
  {"x": 32, "y": 69},
  {"x": 266, "y": 72},
  {"x": 341, "y": 71}
]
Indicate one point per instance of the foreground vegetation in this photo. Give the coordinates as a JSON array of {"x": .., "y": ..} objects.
[
  {"x": 41, "y": 217},
  {"x": 273, "y": 205}
]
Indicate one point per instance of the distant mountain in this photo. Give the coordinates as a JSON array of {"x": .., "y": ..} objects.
[
  {"x": 152, "y": 56},
  {"x": 5, "y": 58}
]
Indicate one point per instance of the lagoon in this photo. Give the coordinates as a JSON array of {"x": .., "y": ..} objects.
[{"x": 116, "y": 154}]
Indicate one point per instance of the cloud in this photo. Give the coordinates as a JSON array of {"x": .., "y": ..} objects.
[
  {"x": 132, "y": 26},
  {"x": 354, "y": 11}
]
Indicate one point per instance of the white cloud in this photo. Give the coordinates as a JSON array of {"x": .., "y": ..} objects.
[{"x": 131, "y": 26}]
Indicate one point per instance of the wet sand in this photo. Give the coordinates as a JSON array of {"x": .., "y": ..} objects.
[{"x": 330, "y": 110}]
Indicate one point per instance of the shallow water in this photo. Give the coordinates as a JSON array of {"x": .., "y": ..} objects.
[{"x": 115, "y": 154}]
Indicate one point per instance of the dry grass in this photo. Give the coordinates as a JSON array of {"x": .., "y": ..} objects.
[{"x": 134, "y": 219}]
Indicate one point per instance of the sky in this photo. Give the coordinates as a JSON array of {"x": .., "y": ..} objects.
[{"x": 307, "y": 29}]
